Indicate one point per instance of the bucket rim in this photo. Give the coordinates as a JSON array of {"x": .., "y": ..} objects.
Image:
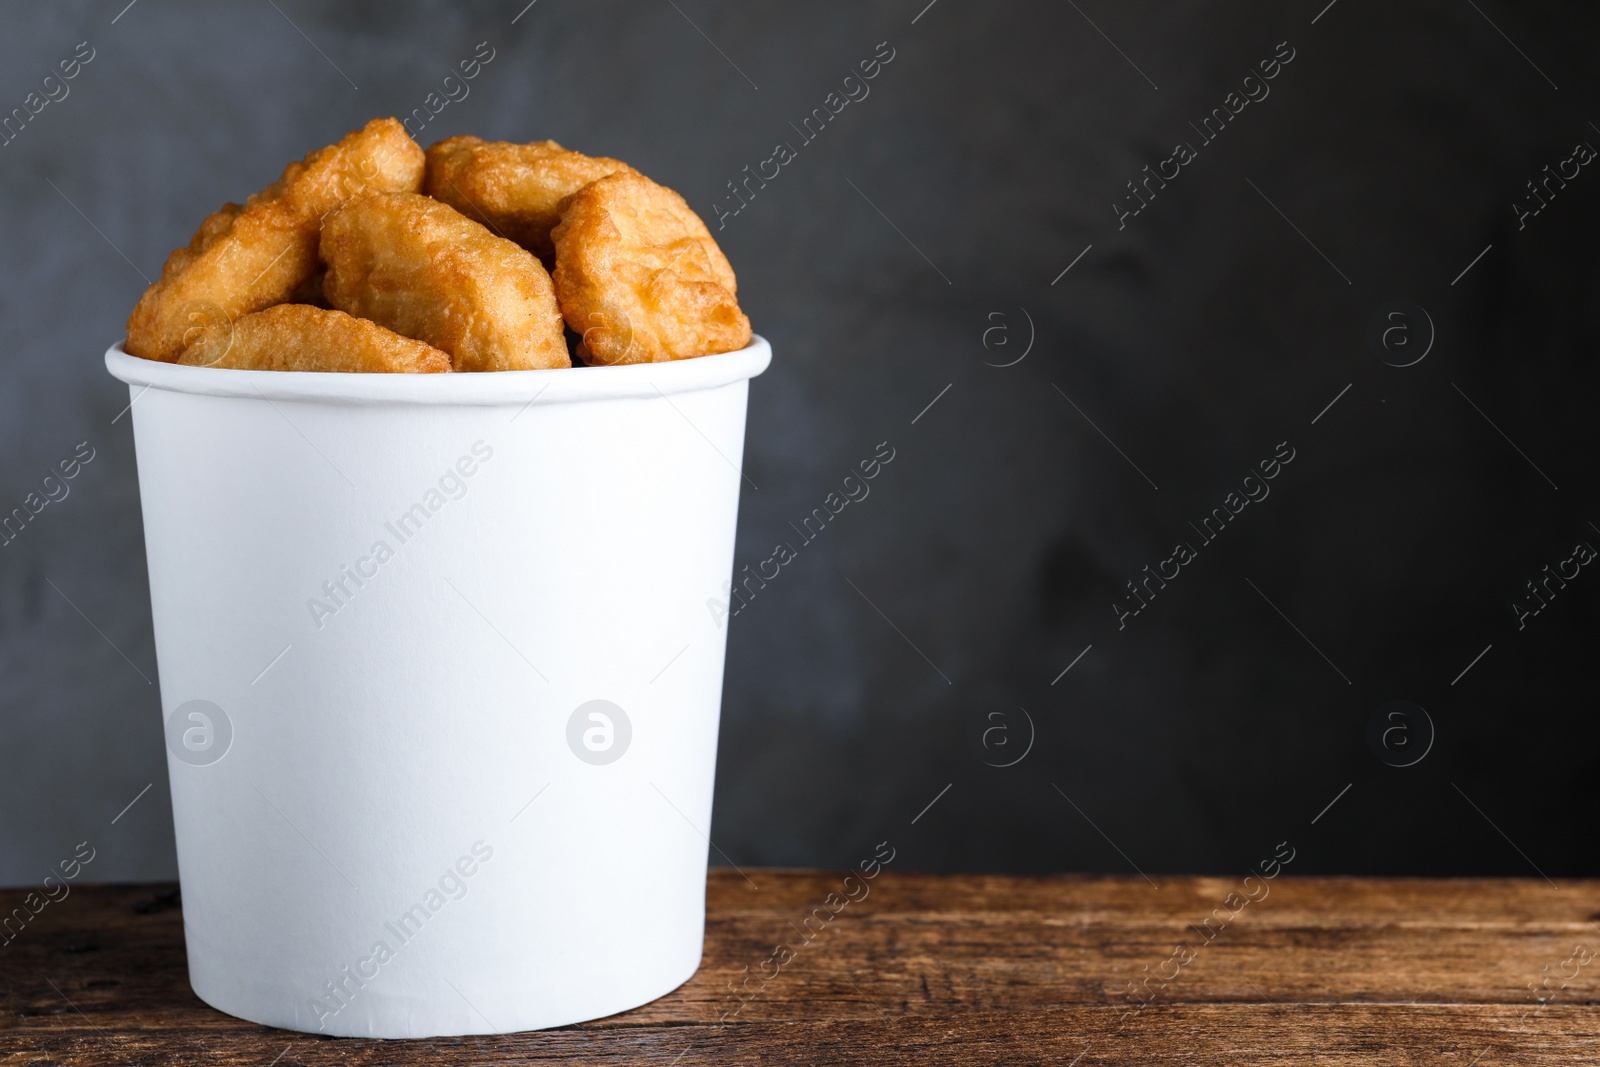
[{"x": 558, "y": 385}]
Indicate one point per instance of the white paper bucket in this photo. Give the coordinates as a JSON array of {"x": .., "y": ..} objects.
[{"x": 441, "y": 666}]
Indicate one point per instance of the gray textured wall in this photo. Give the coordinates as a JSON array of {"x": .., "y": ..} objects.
[{"x": 1185, "y": 343}]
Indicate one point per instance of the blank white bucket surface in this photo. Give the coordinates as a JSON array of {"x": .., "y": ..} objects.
[{"x": 384, "y": 608}]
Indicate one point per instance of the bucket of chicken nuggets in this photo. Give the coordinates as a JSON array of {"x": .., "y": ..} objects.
[{"x": 440, "y": 456}]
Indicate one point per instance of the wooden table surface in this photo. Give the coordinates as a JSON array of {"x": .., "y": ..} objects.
[{"x": 939, "y": 969}]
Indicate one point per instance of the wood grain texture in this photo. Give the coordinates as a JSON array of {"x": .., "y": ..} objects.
[{"x": 949, "y": 969}]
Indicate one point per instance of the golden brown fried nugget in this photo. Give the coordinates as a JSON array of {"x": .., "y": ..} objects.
[
  {"x": 424, "y": 270},
  {"x": 514, "y": 189},
  {"x": 257, "y": 262},
  {"x": 304, "y": 338},
  {"x": 640, "y": 277},
  {"x": 243, "y": 259}
]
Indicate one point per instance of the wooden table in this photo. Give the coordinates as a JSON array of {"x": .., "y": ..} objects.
[{"x": 937, "y": 969}]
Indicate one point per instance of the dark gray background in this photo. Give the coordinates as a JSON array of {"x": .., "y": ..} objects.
[{"x": 1222, "y": 320}]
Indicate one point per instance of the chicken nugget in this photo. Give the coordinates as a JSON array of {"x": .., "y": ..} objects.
[
  {"x": 641, "y": 278},
  {"x": 243, "y": 259},
  {"x": 299, "y": 337},
  {"x": 514, "y": 189},
  {"x": 256, "y": 263},
  {"x": 425, "y": 270}
]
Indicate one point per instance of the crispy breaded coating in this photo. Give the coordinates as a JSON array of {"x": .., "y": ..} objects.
[
  {"x": 256, "y": 263},
  {"x": 641, "y": 278},
  {"x": 424, "y": 270},
  {"x": 245, "y": 259},
  {"x": 299, "y": 337},
  {"x": 514, "y": 189}
]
